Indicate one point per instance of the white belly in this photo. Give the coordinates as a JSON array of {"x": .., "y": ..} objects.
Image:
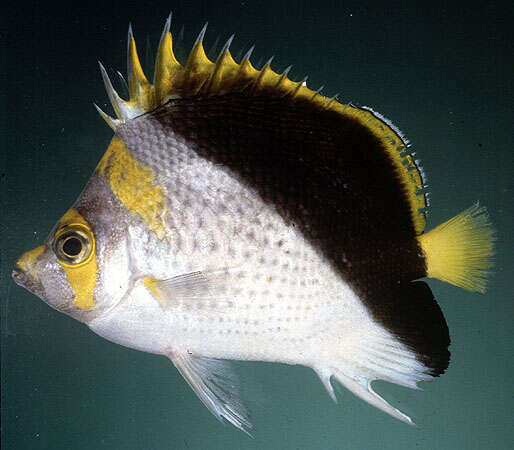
[
  {"x": 281, "y": 300},
  {"x": 296, "y": 311}
]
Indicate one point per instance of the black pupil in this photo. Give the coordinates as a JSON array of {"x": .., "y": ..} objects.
[{"x": 72, "y": 246}]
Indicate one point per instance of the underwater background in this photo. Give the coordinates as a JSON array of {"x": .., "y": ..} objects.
[{"x": 442, "y": 72}]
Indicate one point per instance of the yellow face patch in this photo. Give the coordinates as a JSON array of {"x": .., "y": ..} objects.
[
  {"x": 74, "y": 246},
  {"x": 135, "y": 186},
  {"x": 27, "y": 260}
]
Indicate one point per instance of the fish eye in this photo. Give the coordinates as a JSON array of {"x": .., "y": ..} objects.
[{"x": 73, "y": 245}]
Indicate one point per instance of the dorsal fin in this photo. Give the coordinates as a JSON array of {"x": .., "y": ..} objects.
[{"x": 201, "y": 76}]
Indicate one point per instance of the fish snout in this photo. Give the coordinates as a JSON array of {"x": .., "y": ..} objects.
[
  {"x": 28, "y": 259},
  {"x": 28, "y": 278},
  {"x": 28, "y": 282}
]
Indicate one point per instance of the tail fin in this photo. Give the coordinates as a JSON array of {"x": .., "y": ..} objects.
[{"x": 460, "y": 250}]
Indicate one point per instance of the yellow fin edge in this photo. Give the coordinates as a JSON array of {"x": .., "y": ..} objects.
[
  {"x": 460, "y": 250},
  {"x": 200, "y": 76}
]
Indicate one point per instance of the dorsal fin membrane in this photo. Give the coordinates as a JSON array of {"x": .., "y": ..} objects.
[
  {"x": 169, "y": 74},
  {"x": 140, "y": 90},
  {"x": 201, "y": 76}
]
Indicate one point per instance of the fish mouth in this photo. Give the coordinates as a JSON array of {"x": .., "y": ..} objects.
[
  {"x": 26, "y": 281},
  {"x": 34, "y": 286}
]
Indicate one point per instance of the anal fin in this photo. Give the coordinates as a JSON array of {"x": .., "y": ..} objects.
[
  {"x": 407, "y": 345},
  {"x": 361, "y": 387},
  {"x": 358, "y": 381},
  {"x": 216, "y": 385}
]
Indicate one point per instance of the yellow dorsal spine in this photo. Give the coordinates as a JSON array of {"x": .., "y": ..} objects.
[
  {"x": 264, "y": 77},
  {"x": 198, "y": 68},
  {"x": 200, "y": 76},
  {"x": 169, "y": 74},
  {"x": 225, "y": 71},
  {"x": 283, "y": 78},
  {"x": 142, "y": 93}
]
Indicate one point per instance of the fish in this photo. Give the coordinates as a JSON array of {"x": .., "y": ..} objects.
[{"x": 240, "y": 215}]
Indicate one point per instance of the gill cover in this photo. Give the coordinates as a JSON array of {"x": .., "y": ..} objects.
[
  {"x": 200, "y": 76},
  {"x": 74, "y": 247}
]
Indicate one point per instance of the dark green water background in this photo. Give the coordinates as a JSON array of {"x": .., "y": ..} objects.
[{"x": 442, "y": 72}]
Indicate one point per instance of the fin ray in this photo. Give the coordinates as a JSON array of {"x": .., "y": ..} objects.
[
  {"x": 216, "y": 385},
  {"x": 361, "y": 387},
  {"x": 201, "y": 76},
  {"x": 460, "y": 250},
  {"x": 414, "y": 348},
  {"x": 194, "y": 290}
]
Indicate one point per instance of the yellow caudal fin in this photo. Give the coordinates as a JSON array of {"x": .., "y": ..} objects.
[{"x": 460, "y": 250}]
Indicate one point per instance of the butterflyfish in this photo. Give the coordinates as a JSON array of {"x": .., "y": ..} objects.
[{"x": 240, "y": 215}]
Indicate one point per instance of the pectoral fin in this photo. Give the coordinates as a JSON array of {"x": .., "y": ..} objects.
[
  {"x": 216, "y": 385},
  {"x": 193, "y": 290}
]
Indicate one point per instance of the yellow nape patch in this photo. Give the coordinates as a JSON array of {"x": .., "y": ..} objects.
[
  {"x": 73, "y": 217},
  {"x": 28, "y": 259},
  {"x": 135, "y": 186},
  {"x": 460, "y": 250},
  {"x": 81, "y": 277},
  {"x": 151, "y": 285}
]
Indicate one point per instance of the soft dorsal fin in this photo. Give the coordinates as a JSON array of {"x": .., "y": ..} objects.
[{"x": 202, "y": 77}]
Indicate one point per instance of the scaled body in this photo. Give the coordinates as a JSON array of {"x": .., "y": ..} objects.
[{"x": 235, "y": 215}]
